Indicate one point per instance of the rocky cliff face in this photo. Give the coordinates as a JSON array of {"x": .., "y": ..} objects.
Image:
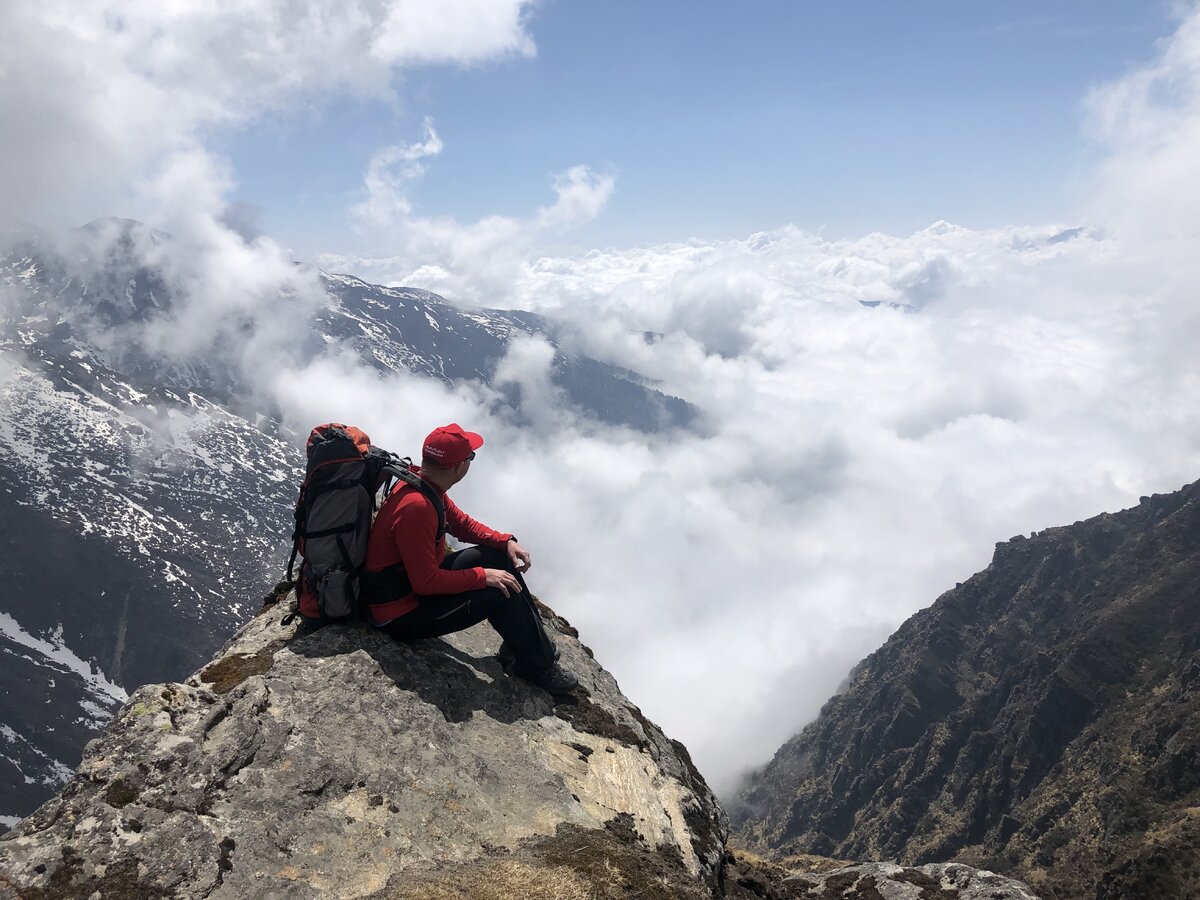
[
  {"x": 1042, "y": 718},
  {"x": 339, "y": 763},
  {"x": 342, "y": 763}
]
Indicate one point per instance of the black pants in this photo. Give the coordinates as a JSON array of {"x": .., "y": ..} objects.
[{"x": 514, "y": 617}]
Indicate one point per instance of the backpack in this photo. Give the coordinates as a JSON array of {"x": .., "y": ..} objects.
[{"x": 334, "y": 511}]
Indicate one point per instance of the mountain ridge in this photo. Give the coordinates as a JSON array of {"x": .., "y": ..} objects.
[{"x": 1040, "y": 719}]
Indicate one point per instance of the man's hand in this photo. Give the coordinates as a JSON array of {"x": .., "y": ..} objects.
[
  {"x": 506, "y": 581},
  {"x": 519, "y": 556}
]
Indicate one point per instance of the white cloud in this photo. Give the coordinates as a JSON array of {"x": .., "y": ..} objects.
[
  {"x": 1149, "y": 187},
  {"x": 853, "y": 463},
  {"x": 389, "y": 173},
  {"x": 340, "y": 389},
  {"x": 453, "y": 30},
  {"x": 472, "y": 262},
  {"x": 527, "y": 366},
  {"x": 582, "y": 195},
  {"x": 100, "y": 92}
]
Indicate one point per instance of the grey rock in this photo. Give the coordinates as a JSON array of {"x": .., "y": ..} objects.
[
  {"x": 341, "y": 763},
  {"x": 888, "y": 881}
]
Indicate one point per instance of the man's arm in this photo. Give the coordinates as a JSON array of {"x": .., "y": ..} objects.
[
  {"x": 413, "y": 531},
  {"x": 463, "y": 527},
  {"x": 468, "y": 530}
]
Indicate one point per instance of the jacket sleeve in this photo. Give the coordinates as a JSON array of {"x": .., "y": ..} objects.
[
  {"x": 413, "y": 531},
  {"x": 466, "y": 529}
]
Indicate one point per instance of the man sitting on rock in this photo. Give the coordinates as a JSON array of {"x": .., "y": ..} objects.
[{"x": 415, "y": 589}]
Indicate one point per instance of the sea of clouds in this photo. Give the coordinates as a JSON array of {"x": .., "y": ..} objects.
[{"x": 850, "y": 461}]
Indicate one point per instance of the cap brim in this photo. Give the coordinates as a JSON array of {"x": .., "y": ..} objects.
[{"x": 475, "y": 441}]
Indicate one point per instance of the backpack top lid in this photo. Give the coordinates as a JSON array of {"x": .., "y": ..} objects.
[
  {"x": 359, "y": 438},
  {"x": 335, "y": 441}
]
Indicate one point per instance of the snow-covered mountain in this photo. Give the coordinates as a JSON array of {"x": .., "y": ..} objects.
[
  {"x": 145, "y": 499},
  {"x": 408, "y": 328}
]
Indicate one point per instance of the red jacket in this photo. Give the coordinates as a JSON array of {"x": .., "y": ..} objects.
[{"x": 404, "y": 533}]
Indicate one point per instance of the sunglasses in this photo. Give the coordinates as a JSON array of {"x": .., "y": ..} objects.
[{"x": 470, "y": 456}]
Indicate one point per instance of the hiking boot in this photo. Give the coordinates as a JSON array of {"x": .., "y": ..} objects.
[
  {"x": 553, "y": 679},
  {"x": 507, "y": 657}
]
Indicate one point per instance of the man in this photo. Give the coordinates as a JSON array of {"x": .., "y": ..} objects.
[{"x": 414, "y": 589}]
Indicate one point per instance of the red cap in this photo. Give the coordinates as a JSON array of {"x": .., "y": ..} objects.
[{"x": 449, "y": 445}]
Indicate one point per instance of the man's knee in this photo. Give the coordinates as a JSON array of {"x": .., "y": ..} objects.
[
  {"x": 478, "y": 557},
  {"x": 493, "y": 558}
]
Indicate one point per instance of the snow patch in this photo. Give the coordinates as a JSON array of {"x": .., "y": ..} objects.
[
  {"x": 56, "y": 650},
  {"x": 58, "y": 773},
  {"x": 98, "y": 714}
]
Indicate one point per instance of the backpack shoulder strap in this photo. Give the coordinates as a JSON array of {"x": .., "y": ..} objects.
[{"x": 400, "y": 471}]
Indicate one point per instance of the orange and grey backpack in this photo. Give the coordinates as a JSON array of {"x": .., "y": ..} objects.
[{"x": 337, "y": 503}]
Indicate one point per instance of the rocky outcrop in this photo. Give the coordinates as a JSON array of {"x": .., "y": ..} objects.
[
  {"x": 339, "y": 763},
  {"x": 1041, "y": 719},
  {"x": 876, "y": 881}
]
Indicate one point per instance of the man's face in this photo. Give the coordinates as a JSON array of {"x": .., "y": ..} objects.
[{"x": 463, "y": 467}]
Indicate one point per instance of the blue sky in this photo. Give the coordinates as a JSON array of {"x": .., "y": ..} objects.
[{"x": 719, "y": 121}]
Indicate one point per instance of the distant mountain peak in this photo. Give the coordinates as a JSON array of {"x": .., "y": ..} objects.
[{"x": 114, "y": 230}]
